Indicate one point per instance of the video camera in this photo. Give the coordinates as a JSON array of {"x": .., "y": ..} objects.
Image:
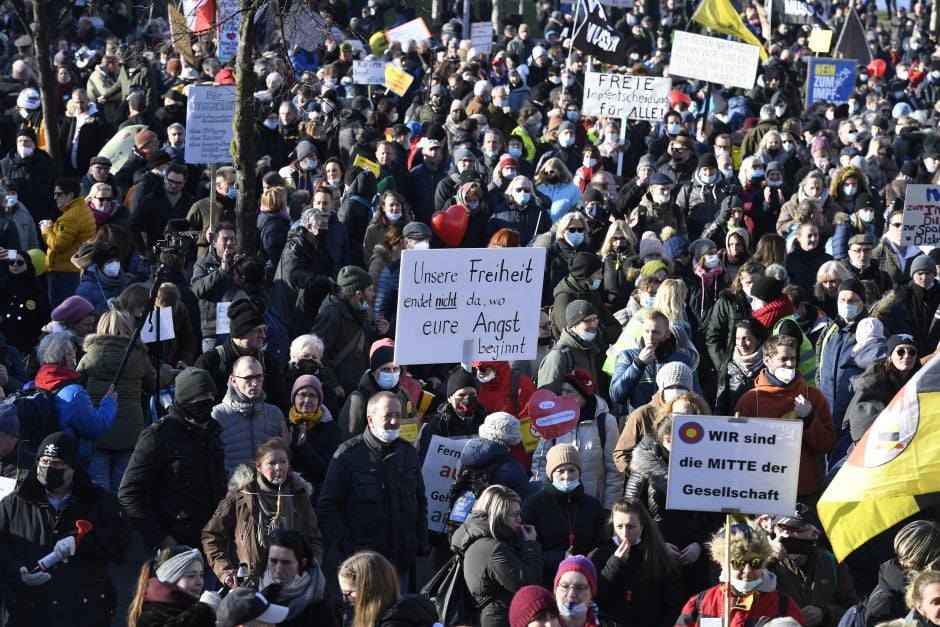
[{"x": 176, "y": 240}]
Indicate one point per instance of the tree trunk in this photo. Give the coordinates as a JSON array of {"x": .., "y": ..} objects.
[
  {"x": 46, "y": 82},
  {"x": 243, "y": 145},
  {"x": 437, "y": 10},
  {"x": 497, "y": 17}
]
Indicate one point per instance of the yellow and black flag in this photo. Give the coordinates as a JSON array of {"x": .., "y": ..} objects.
[{"x": 720, "y": 16}]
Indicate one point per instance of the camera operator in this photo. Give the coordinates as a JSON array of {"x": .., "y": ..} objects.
[
  {"x": 214, "y": 280},
  {"x": 156, "y": 209}
]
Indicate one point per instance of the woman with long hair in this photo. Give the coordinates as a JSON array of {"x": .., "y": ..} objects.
[
  {"x": 273, "y": 224},
  {"x": 829, "y": 277},
  {"x": 369, "y": 586},
  {"x": 616, "y": 251},
  {"x": 733, "y": 304},
  {"x": 570, "y": 239},
  {"x": 500, "y": 554},
  {"x": 170, "y": 591},
  {"x": 263, "y": 498},
  {"x": 916, "y": 547},
  {"x": 554, "y": 180},
  {"x": 392, "y": 209},
  {"x": 293, "y": 578},
  {"x": 771, "y": 248},
  {"x": 638, "y": 582},
  {"x": 740, "y": 369},
  {"x": 921, "y": 599}
]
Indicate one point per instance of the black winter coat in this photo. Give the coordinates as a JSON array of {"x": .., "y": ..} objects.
[
  {"x": 167, "y": 606},
  {"x": 220, "y": 367},
  {"x": 530, "y": 220},
  {"x": 352, "y": 417},
  {"x": 448, "y": 424},
  {"x": 339, "y": 327},
  {"x": 630, "y": 598},
  {"x": 728, "y": 309},
  {"x": 302, "y": 280},
  {"x": 803, "y": 265},
  {"x": 175, "y": 480},
  {"x": 80, "y": 592},
  {"x": 886, "y": 601},
  {"x": 733, "y": 382},
  {"x": 572, "y": 523},
  {"x": 496, "y": 567},
  {"x": 33, "y": 177},
  {"x": 413, "y": 610}
]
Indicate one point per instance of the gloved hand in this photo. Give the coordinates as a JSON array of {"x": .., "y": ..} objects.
[
  {"x": 33, "y": 579},
  {"x": 65, "y": 548},
  {"x": 212, "y": 599}
]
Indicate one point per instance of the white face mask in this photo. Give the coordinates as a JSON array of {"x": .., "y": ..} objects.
[
  {"x": 744, "y": 586},
  {"x": 486, "y": 378},
  {"x": 587, "y": 336},
  {"x": 387, "y": 435},
  {"x": 711, "y": 261},
  {"x": 24, "y": 152},
  {"x": 422, "y": 245},
  {"x": 566, "y": 486},
  {"x": 785, "y": 375},
  {"x": 112, "y": 269},
  {"x": 866, "y": 215},
  {"x": 572, "y": 610},
  {"x": 756, "y": 303},
  {"x": 521, "y": 198}
]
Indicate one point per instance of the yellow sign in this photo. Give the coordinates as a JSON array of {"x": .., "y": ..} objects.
[
  {"x": 367, "y": 164},
  {"x": 820, "y": 40},
  {"x": 530, "y": 437},
  {"x": 409, "y": 432},
  {"x": 397, "y": 80},
  {"x": 180, "y": 34}
]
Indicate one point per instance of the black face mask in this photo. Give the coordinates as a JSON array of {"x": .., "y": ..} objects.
[
  {"x": 50, "y": 478},
  {"x": 199, "y": 411},
  {"x": 545, "y": 341},
  {"x": 308, "y": 366},
  {"x": 322, "y": 235},
  {"x": 798, "y": 546}
]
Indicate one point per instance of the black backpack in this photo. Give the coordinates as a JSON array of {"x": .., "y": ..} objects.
[
  {"x": 37, "y": 414},
  {"x": 463, "y": 493},
  {"x": 448, "y": 591}
]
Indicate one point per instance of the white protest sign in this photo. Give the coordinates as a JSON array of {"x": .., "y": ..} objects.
[
  {"x": 619, "y": 4},
  {"x": 369, "y": 72},
  {"x": 228, "y": 30},
  {"x": 415, "y": 30},
  {"x": 440, "y": 471},
  {"x": 481, "y": 36},
  {"x": 721, "y": 464},
  {"x": 6, "y": 486},
  {"x": 221, "y": 318},
  {"x": 209, "y": 114},
  {"x": 148, "y": 334},
  {"x": 714, "y": 60},
  {"x": 618, "y": 96},
  {"x": 468, "y": 304},
  {"x": 921, "y": 216}
]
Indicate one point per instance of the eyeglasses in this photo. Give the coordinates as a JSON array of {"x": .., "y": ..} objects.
[
  {"x": 860, "y": 250},
  {"x": 252, "y": 378},
  {"x": 755, "y": 563},
  {"x": 104, "y": 198},
  {"x": 576, "y": 229},
  {"x": 904, "y": 352},
  {"x": 581, "y": 588}
]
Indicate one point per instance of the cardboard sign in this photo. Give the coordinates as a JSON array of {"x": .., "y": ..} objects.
[
  {"x": 6, "y": 486},
  {"x": 119, "y": 147},
  {"x": 618, "y": 96},
  {"x": 721, "y": 464},
  {"x": 820, "y": 40},
  {"x": 481, "y": 36},
  {"x": 222, "y": 323},
  {"x": 830, "y": 80},
  {"x": 530, "y": 437},
  {"x": 468, "y": 304},
  {"x": 397, "y": 80},
  {"x": 714, "y": 60},
  {"x": 921, "y": 216},
  {"x": 148, "y": 334},
  {"x": 553, "y": 416},
  {"x": 179, "y": 31},
  {"x": 441, "y": 463},
  {"x": 209, "y": 114},
  {"x": 415, "y": 30},
  {"x": 229, "y": 11},
  {"x": 369, "y": 72},
  {"x": 368, "y": 164}
]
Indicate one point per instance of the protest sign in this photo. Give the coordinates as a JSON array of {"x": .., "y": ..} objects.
[
  {"x": 830, "y": 80},
  {"x": 530, "y": 437},
  {"x": 368, "y": 164},
  {"x": 119, "y": 147},
  {"x": 596, "y": 37},
  {"x": 714, "y": 60},
  {"x": 439, "y": 472},
  {"x": 618, "y": 4},
  {"x": 6, "y": 486},
  {"x": 397, "y": 80},
  {"x": 222, "y": 323},
  {"x": 468, "y": 304},
  {"x": 180, "y": 34},
  {"x": 209, "y": 114},
  {"x": 148, "y": 334},
  {"x": 921, "y": 216},
  {"x": 820, "y": 40},
  {"x": 743, "y": 465},
  {"x": 228, "y": 30},
  {"x": 481, "y": 36},
  {"x": 369, "y": 72},
  {"x": 415, "y": 30},
  {"x": 618, "y": 96}
]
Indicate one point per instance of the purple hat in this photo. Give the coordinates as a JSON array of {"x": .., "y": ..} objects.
[
  {"x": 307, "y": 381},
  {"x": 72, "y": 309}
]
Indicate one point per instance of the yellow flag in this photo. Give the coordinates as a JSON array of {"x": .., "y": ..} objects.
[
  {"x": 720, "y": 16},
  {"x": 894, "y": 470}
]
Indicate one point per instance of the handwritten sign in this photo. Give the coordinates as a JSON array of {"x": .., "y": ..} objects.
[
  {"x": 229, "y": 11},
  {"x": 820, "y": 40},
  {"x": 830, "y": 80},
  {"x": 921, "y": 216},
  {"x": 619, "y": 96},
  {"x": 481, "y": 36},
  {"x": 714, "y": 60},
  {"x": 209, "y": 114},
  {"x": 469, "y": 304},
  {"x": 441, "y": 463},
  {"x": 369, "y": 72},
  {"x": 721, "y": 464},
  {"x": 415, "y": 30},
  {"x": 397, "y": 80}
]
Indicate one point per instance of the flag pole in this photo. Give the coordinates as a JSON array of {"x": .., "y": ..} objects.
[
  {"x": 574, "y": 32},
  {"x": 727, "y": 619}
]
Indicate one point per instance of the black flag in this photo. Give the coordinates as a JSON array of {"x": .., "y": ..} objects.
[
  {"x": 793, "y": 12},
  {"x": 596, "y": 38},
  {"x": 852, "y": 42}
]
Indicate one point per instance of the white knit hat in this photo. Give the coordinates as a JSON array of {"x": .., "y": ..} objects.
[
  {"x": 675, "y": 373},
  {"x": 502, "y": 428},
  {"x": 869, "y": 330}
]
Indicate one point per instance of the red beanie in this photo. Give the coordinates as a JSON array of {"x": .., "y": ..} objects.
[
  {"x": 529, "y": 602},
  {"x": 506, "y": 161},
  {"x": 578, "y": 564}
]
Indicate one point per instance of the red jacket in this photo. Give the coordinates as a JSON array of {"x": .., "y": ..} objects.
[
  {"x": 746, "y": 610},
  {"x": 496, "y": 395}
]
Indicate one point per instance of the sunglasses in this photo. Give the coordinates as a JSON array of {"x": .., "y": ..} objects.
[
  {"x": 755, "y": 563},
  {"x": 904, "y": 352},
  {"x": 576, "y": 229},
  {"x": 256, "y": 378},
  {"x": 15, "y": 263}
]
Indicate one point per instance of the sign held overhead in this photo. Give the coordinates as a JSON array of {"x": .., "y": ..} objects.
[
  {"x": 209, "y": 133},
  {"x": 714, "y": 60},
  {"x": 921, "y": 216},
  {"x": 618, "y": 96}
]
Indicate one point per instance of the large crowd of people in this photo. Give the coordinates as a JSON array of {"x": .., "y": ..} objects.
[{"x": 745, "y": 254}]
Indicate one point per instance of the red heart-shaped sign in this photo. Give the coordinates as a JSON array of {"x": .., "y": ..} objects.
[
  {"x": 451, "y": 224},
  {"x": 552, "y": 416},
  {"x": 231, "y": 36}
]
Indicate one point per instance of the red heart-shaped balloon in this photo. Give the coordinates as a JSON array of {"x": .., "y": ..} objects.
[
  {"x": 552, "y": 416},
  {"x": 451, "y": 224}
]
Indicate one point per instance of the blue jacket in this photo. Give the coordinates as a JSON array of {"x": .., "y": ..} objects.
[
  {"x": 564, "y": 196},
  {"x": 479, "y": 453},
  {"x": 386, "y": 292},
  {"x": 421, "y": 190},
  {"x": 97, "y": 288},
  {"x": 837, "y": 367},
  {"x": 630, "y": 384}
]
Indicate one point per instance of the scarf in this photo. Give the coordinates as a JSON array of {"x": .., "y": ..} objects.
[
  {"x": 275, "y": 508},
  {"x": 310, "y": 419},
  {"x": 303, "y": 590},
  {"x": 773, "y": 311},
  {"x": 101, "y": 214},
  {"x": 747, "y": 363}
]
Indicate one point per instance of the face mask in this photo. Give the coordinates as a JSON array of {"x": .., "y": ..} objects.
[
  {"x": 863, "y": 77},
  {"x": 311, "y": 164},
  {"x": 849, "y": 190},
  {"x": 589, "y": 163},
  {"x": 662, "y": 199},
  {"x": 474, "y": 205},
  {"x": 756, "y": 304},
  {"x": 673, "y": 129},
  {"x": 757, "y": 174},
  {"x": 393, "y": 217},
  {"x": 780, "y": 111},
  {"x": 521, "y": 198},
  {"x": 363, "y": 305},
  {"x": 422, "y": 245},
  {"x": 571, "y": 610},
  {"x": 112, "y": 269},
  {"x": 509, "y": 175},
  {"x": 387, "y": 435},
  {"x": 326, "y": 106},
  {"x": 387, "y": 380},
  {"x": 232, "y": 192},
  {"x": 486, "y": 378},
  {"x": 566, "y": 141},
  {"x": 786, "y": 375},
  {"x": 711, "y": 261},
  {"x": 777, "y": 183},
  {"x": 830, "y": 115},
  {"x": 798, "y": 546},
  {"x": 866, "y": 215},
  {"x": 649, "y": 301},
  {"x": 566, "y": 486},
  {"x": 491, "y": 153},
  {"x": 744, "y": 586},
  {"x": 587, "y": 336},
  {"x": 789, "y": 146},
  {"x": 930, "y": 168},
  {"x": 728, "y": 174},
  {"x": 613, "y": 139},
  {"x": 575, "y": 239},
  {"x": 515, "y": 153},
  {"x": 848, "y": 311},
  {"x": 335, "y": 182},
  {"x": 595, "y": 284},
  {"x": 24, "y": 152},
  {"x": 709, "y": 180},
  {"x": 852, "y": 137},
  {"x": 11, "y": 202},
  {"x": 50, "y": 478},
  {"x": 308, "y": 366},
  {"x": 822, "y": 164},
  {"x": 571, "y": 115},
  {"x": 271, "y": 124},
  {"x": 199, "y": 411}
]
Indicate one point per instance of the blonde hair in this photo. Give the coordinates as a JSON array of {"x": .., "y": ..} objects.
[
  {"x": 115, "y": 322},
  {"x": 917, "y": 545},
  {"x": 564, "y": 222},
  {"x": 274, "y": 200},
  {"x": 564, "y": 173},
  {"x": 915, "y": 589},
  {"x": 617, "y": 226},
  {"x": 670, "y": 299},
  {"x": 377, "y": 586},
  {"x": 495, "y": 502}
]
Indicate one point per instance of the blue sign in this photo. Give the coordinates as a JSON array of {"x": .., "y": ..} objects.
[{"x": 830, "y": 80}]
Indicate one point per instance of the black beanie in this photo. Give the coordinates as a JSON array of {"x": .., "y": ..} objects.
[
  {"x": 60, "y": 445},
  {"x": 243, "y": 316},
  {"x": 193, "y": 382},
  {"x": 381, "y": 356},
  {"x": 767, "y": 288},
  {"x": 708, "y": 160},
  {"x": 583, "y": 265},
  {"x": 460, "y": 378}
]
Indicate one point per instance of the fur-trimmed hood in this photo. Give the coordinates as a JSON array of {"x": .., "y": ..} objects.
[
  {"x": 245, "y": 476},
  {"x": 835, "y": 187}
]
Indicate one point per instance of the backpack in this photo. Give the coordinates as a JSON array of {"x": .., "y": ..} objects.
[
  {"x": 448, "y": 591},
  {"x": 464, "y": 492},
  {"x": 854, "y": 616},
  {"x": 37, "y": 414}
]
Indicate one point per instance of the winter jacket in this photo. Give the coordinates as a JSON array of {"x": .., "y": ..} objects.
[
  {"x": 530, "y": 220},
  {"x": 822, "y": 582},
  {"x": 652, "y": 216},
  {"x": 413, "y": 610},
  {"x": 448, "y": 424},
  {"x": 74, "y": 227},
  {"x": 15, "y": 464},
  {"x": 886, "y": 602},
  {"x": 424, "y": 182},
  {"x": 340, "y": 327},
  {"x": 302, "y": 281},
  {"x": 174, "y": 480},
  {"x": 232, "y": 536},
  {"x": 837, "y": 366},
  {"x": 373, "y": 499},
  {"x": 560, "y": 253},
  {"x": 220, "y": 361},
  {"x": 166, "y": 605},
  {"x": 766, "y": 603},
  {"x": 24, "y": 307},
  {"x": 496, "y": 567},
  {"x": 97, "y": 288},
  {"x": 568, "y": 353},
  {"x": 730, "y": 308},
  {"x": 25, "y": 226},
  {"x": 312, "y": 458},
  {"x": 98, "y": 365},
  {"x": 272, "y": 231},
  {"x": 80, "y": 592},
  {"x": 199, "y": 218},
  {"x": 769, "y": 400},
  {"x": 352, "y": 418},
  {"x": 887, "y": 259},
  {"x": 734, "y": 381},
  {"x": 386, "y": 292},
  {"x": 632, "y": 385},
  {"x": 700, "y": 203},
  {"x": 641, "y": 421},
  {"x": 33, "y": 177},
  {"x": 569, "y": 290},
  {"x": 803, "y": 265},
  {"x": 599, "y": 474},
  {"x": 632, "y": 597},
  {"x": 919, "y": 307},
  {"x": 873, "y": 392},
  {"x": 498, "y": 395},
  {"x": 212, "y": 286},
  {"x": 564, "y": 197},
  {"x": 483, "y": 453},
  {"x": 704, "y": 287},
  {"x": 566, "y": 523},
  {"x": 245, "y": 424},
  {"x": 76, "y": 414}
]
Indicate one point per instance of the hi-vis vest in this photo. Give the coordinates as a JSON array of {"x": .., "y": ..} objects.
[{"x": 807, "y": 352}]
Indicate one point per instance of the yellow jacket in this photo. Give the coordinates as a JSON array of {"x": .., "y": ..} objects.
[{"x": 75, "y": 226}]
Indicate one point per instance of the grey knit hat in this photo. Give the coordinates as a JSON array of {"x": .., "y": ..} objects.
[
  {"x": 578, "y": 310},
  {"x": 502, "y": 428},
  {"x": 191, "y": 383},
  {"x": 701, "y": 246},
  {"x": 675, "y": 373}
]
